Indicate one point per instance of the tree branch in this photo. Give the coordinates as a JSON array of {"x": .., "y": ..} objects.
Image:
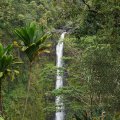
[{"x": 86, "y": 3}]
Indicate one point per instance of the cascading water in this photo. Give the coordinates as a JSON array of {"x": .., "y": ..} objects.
[{"x": 59, "y": 79}]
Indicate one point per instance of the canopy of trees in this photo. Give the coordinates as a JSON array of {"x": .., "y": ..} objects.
[{"x": 29, "y": 32}]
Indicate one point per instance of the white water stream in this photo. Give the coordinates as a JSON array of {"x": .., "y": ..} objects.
[{"x": 59, "y": 79}]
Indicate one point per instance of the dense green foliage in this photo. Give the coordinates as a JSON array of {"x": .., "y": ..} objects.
[
  {"x": 91, "y": 58},
  {"x": 7, "y": 68}
]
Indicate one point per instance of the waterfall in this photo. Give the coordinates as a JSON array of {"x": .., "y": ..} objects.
[{"x": 59, "y": 78}]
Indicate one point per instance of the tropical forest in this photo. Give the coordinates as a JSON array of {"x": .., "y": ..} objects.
[{"x": 59, "y": 59}]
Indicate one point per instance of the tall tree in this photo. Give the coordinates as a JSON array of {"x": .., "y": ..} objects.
[
  {"x": 33, "y": 37},
  {"x": 7, "y": 64}
]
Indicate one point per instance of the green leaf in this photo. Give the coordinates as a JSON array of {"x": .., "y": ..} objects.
[
  {"x": 1, "y": 50},
  {"x": 1, "y": 118},
  {"x": 17, "y": 62},
  {"x": 33, "y": 37},
  {"x": 8, "y": 48},
  {"x": 1, "y": 74},
  {"x": 16, "y": 71},
  {"x": 8, "y": 70}
]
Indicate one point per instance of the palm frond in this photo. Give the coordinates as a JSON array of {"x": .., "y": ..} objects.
[{"x": 33, "y": 37}]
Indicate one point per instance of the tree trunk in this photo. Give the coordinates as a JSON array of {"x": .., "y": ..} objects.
[{"x": 28, "y": 91}]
